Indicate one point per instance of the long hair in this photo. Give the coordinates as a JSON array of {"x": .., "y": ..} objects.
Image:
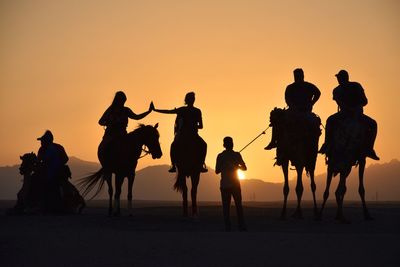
[{"x": 119, "y": 99}]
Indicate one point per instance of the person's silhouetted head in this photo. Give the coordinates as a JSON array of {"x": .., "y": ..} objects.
[
  {"x": 119, "y": 99},
  {"x": 298, "y": 75},
  {"x": 342, "y": 76},
  {"x": 190, "y": 98},
  {"x": 46, "y": 138},
  {"x": 228, "y": 143}
]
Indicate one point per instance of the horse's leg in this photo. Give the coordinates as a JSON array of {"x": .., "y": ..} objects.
[
  {"x": 184, "y": 197},
  {"x": 340, "y": 192},
  {"x": 195, "y": 182},
  {"x": 285, "y": 169},
  {"x": 313, "y": 190},
  {"x": 131, "y": 179},
  {"x": 326, "y": 193},
  {"x": 118, "y": 188},
  {"x": 108, "y": 178},
  {"x": 361, "y": 189},
  {"x": 299, "y": 192}
]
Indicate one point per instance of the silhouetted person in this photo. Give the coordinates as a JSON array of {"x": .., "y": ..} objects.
[
  {"x": 115, "y": 119},
  {"x": 187, "y": 123},
  {"x": 300, "y": 97},
  {"x": 351, "y": 99},
  {"x": 228, "y": 163},
  {"x": 52, "y": 160}
]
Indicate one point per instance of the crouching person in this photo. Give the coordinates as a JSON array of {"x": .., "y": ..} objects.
[{"x": 228, "y": 163}]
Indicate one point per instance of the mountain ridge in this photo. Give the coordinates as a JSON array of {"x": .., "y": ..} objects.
[{"x": 155, "y": 183}]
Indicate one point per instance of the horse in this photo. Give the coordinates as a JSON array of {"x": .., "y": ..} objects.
[
  {"x": 190, "y": 154},
  {"x": 121, "y": 157},
  {"x": 347, "y": 150},
  {"x": 297, "y": 143},
  {"x": 32, "y": 196}
]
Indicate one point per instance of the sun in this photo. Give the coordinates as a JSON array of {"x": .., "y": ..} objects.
[{"x": 241, "y": 174}]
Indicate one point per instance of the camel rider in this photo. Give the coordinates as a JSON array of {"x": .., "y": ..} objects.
[
  {"x": 300, "y": 97},
  {"x": 52, "y": 162},
  {"x": 351, "y": 99},
  {"x": 188, "y": 122}
]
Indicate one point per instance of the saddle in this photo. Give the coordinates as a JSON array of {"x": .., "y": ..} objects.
[
  {"x": 348, "y": 144},
  {"x": 297, "y": 135}
]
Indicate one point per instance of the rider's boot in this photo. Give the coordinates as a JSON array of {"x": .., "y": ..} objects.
[
  {"x": 204, "y": 168},
  {"x": 273, "y": 143},
  {"x": 172, "y": 169},
  {"x": 270, "y": 146},
  {"x": 371, "y": 154},
  {"x": 323, "y": 149}
]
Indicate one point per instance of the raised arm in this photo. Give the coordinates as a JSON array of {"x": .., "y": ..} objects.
[{"x": 165, "y": 111}]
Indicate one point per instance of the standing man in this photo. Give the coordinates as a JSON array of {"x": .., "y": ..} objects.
[
  {"x": 52, "y": 159},
  {"x": 228, "y": 163},
  {"x": 300, "y": 97},
  {"x": 351, "y": 99}
]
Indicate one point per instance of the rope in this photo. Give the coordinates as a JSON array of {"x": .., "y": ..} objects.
[{"x": 263, "y": 132}]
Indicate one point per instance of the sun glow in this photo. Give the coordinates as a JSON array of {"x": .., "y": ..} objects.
[{"x": 241, "y": 174}]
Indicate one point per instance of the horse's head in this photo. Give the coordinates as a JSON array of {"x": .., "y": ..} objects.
[
  {"x": 29, "y": 163},
  {"x": 150, "y": 139}
]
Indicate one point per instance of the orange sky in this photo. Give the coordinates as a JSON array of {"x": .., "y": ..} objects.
[{"x": 62, "y": 61}]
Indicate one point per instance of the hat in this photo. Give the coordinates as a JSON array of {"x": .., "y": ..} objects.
[
  {"x": 342, "y": 73},
  {"x": 48, "y": 136}
]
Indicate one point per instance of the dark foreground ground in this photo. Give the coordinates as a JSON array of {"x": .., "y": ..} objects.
[{"x": 157, "y": 236}]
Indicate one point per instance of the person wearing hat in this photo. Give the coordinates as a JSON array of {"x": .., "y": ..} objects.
[
  {"x": 52, "y": 159},
  {"x": 300, "y": 96},
  {"x": 228, "y": 163},
  {"x": 350, "y": 98}
]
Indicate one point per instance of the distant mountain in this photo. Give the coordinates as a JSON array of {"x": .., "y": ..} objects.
[{"x": 155, "y": 183}]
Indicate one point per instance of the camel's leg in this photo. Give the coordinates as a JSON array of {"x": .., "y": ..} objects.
[
  {"x": 299, "y": 192},
  {"x": 108, "y": 178},
  {"x": 326, "y": 193},
  {"x": 117, "y": 197},
  {"x": 361, "y": 189},
  {"x": 340, "y": 192},
  {"x": 195, "y": 183},
  {"x": 313, "y": 190},
  {"x": 285, "y": 169},
  {"x": 131, "y": 179}
]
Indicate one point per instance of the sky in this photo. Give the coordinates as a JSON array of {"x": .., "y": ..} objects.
[{"x": 61, "y": 63}]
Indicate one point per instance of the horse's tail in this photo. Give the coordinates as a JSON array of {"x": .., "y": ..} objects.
[
  {"x": 180, "y": 182},
  {"x": 86, "y": 184}
]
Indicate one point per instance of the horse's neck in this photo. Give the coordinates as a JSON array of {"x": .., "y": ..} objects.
[{"x": 136, "y": 141}]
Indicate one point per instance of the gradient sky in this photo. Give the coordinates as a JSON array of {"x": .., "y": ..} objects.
[{"x": 61, "y": 63}]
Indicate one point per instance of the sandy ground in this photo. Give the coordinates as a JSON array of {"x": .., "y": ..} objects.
[{"x": 158, "y": 236}]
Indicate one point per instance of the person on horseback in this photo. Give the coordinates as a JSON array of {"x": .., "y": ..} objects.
[
  {"x": 188, "y": 122},
  {"x": 52, "y": 160},
  {"x": 351, "y": 99},
  {"x": 300, "y": 97},
  {"x": 228, "y": 162},
  {"x": 115, "y": 119}
]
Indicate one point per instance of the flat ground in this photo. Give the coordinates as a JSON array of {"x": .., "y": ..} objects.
[{"x": 158, "y": 236}]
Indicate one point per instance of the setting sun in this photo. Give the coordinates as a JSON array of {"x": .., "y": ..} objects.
[{"x": 241, "y": 174}]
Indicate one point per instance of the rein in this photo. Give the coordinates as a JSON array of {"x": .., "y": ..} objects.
[{"x": 146, "y": 152}]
